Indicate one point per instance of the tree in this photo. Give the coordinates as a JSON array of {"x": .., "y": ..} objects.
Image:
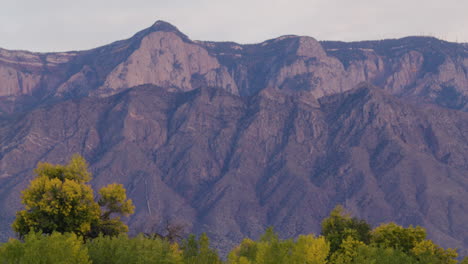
[
  {"x": 245, "y": 253},
  {"x": 199, "y": 251},
  {"x": 60, "y": 199},
  {"x": 272, "y": 250},
  {"x": 269, "y": 249},
  {"x": 39, "y": 248},
  {"x": 428, "y": 252},
  {"x": 123, "y": 250},
  {"x": 311, "y": 250},
  {"x": 113, "y": 202},
  {"x": 371, "y": 254},
  {"x": 347, "y": 252},
  {"x": 397, "y": 237},
  {"x": 340, "y": 225}
]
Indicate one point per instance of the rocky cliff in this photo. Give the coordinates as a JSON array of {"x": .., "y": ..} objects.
[
  {"x": 422, "y": 69},
  {"x": 231, "y": 138}
]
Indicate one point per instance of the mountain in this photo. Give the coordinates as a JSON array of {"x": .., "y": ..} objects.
[
  {"x": 423, "y": 69},
  {"x": 230, "y": 138}
]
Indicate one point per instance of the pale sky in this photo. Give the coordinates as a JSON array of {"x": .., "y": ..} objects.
[{"x": 62, "y": 25}]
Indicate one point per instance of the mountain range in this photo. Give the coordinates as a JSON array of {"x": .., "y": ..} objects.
[{"x": 229, "y": 138}]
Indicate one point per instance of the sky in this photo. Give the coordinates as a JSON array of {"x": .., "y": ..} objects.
[{"x": 64, "y": 25}]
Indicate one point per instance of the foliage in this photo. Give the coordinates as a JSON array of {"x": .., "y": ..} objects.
[
  {"x": 371, "y": 254},
  {"x": 113, "y": 201},
  {"x": 347, "y": 252},
  {"x": 270, "y": 249},
  {"x": 244, "y": 253},
  {"x": 60, "y": 199},
  {"x": 352, "y": 251},
  {"x": 428, "y": 252},
  {"x": 340, "y": 225},
  {"x": 273, "y": 250},
  {"x": 310, "y": 250},
  {"x": 352, "y": 242},
  {"x": 56, "y": 248},
  {"x": 397, "y": 237},
  {"x": 199, "y": 251},
  {"x": 139, "y": 250}
]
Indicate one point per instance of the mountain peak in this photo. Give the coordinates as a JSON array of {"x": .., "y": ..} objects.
[
  {"x": 161, "y": 25},
  {"x": 164, "y": 26}
]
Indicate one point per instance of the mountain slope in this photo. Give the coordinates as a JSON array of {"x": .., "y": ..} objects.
[{"x": 231, "y": 166}]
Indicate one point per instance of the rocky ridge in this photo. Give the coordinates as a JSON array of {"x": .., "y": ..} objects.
[{"x": 420, "y": 68}]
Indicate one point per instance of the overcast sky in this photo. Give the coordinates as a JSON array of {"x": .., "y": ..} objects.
[{"x": 60, "y": 25}]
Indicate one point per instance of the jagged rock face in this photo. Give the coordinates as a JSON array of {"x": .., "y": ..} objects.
[
  {"x": 418, "y": 68},
  {"x": 25, "y": 77},
  {"x": 21, "y": 72},
  {"x": 424, "y": 69},
  {"x": 234, "y": 138},
  {"x": 232, "y": 166},
  {"x": 165, "y": 59}
]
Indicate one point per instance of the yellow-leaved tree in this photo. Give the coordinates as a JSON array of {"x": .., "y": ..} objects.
[
  {"x": 306, "y": 249},
  {"x": 60, "y": 199}
]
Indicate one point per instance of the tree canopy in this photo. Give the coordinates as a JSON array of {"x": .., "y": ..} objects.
[
  {"x": 270, "y": 249},
  {"x": 37, "y": 248},
  {"x": 60, "y": 199},
  {"x": 340, "y": 225}
]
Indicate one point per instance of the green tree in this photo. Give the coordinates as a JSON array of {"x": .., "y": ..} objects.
[
  {"x": 347, "y": 252},
  {"x": 428, "y": 252},
  {"x": 138, "y": 250},
  {"x": 244, "y": 253},
  {"x": 340, "y": 225},
  {"x": 56, "y": 248},
  {"x": 269, "y": 249},
  {"x": 310, "y": 250},
  {"x": 60, "y": 199},
  {"x": 113, "y": 203},
  {"x": 272, "y": 250},
  {"x": 199, "y": 251},
  {"x": 391, "y": 235},
  {"x": 377, "y": 255}
]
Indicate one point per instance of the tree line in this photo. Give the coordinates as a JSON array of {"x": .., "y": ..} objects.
[{"x": 62, "y": 222}]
